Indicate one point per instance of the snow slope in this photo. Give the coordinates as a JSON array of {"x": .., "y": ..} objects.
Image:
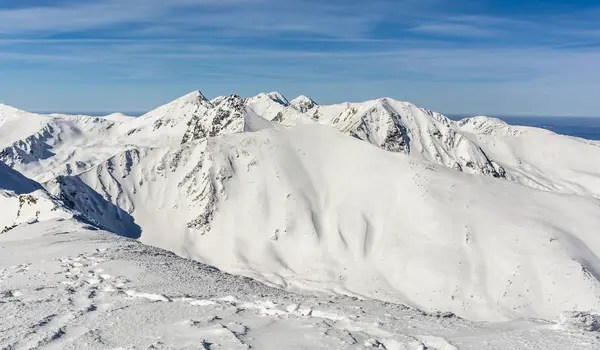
[
  {"x": 64, "y": 286},
  {"x": 307, "y": 208},
  {"x": 45, "y": 146},
  {"x": 23, "y": 201},
  {"x": 539, "y": 158},
  {"x": 166, "y": 124}
]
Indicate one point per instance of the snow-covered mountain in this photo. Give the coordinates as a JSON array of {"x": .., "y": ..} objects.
[
  {"x": 23, "y": 201},
  {"x": 303, "y": 103},
  {"x": 538, "y": 158},
  {"x": 166, "y": 124},
  {"x": 308, "y": 208},
  {"x": 230, "y": 115},
  {"x": 380, "y": 199},
  {"x": 46, "y": 146},
  {"x": 391, "y": 125}
]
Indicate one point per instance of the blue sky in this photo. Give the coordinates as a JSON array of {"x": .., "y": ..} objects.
[{"x": 527, "y": 57}]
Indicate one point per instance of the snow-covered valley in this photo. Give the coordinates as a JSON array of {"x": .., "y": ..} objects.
[{"x": 336, "y": 210}]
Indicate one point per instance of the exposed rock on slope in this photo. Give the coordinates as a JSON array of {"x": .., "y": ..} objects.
[
  {"x": 388, "y": 124},
  {"x": 229, "y": 116},
  {"x": 303, "y": 103},
  {"x": 24, "y": 201},
  {"x": 166, "y": 124},
  {"x": 391, "y": 125}
]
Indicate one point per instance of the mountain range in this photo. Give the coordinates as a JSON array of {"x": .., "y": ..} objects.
[{"x": 380, "y": 199}]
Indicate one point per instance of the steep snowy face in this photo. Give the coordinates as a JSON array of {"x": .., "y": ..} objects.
[
  {"x": 278, "y": 97},
  {"x": 166, "y": 124},
  {"x": 538, "y": 158},
  {"x": 309, "y": 208},
  {"x": 403, "y": 127},
  {"x": 11, "y": 180},
  {"x": 168, "y": 188},
  {"x": 24, "y": 201}
]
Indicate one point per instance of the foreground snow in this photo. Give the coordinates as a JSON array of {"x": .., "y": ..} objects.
[{"x": 64, "y": 286}]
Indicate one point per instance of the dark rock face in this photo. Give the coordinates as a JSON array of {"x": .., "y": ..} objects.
[{"x": 225, "y": 117}]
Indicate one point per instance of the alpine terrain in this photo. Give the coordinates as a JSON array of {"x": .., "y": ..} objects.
[{"x": 270, "y": 223}]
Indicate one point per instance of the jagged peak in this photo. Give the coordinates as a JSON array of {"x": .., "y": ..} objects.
[
  {"x": 232, "y": 100},
  {"x": 215, "y": 101}
]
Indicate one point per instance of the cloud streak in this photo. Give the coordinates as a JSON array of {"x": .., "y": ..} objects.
[
  {"x": 361, "y": 48},
  {"x": 229, "y": 17}
]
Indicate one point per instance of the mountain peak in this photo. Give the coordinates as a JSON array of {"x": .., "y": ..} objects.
[
  {"x": 195, "y": 95},
  {"x": 278, "y": 97},
  {"x": 303, "y": 98},
  {"x": 303, "y": 103},
  {"x": 195, "y": 98}
]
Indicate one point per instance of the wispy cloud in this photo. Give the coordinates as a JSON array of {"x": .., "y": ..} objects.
[
  {"x": 390, "y": 46},
  {"x": 154, "y": 17},
  {"x": 453, "y": 29}
]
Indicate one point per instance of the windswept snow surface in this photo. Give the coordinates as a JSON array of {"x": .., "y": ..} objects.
[
  {"x": 381, "y": 200},
  {"x": 65, "y": 286}
]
